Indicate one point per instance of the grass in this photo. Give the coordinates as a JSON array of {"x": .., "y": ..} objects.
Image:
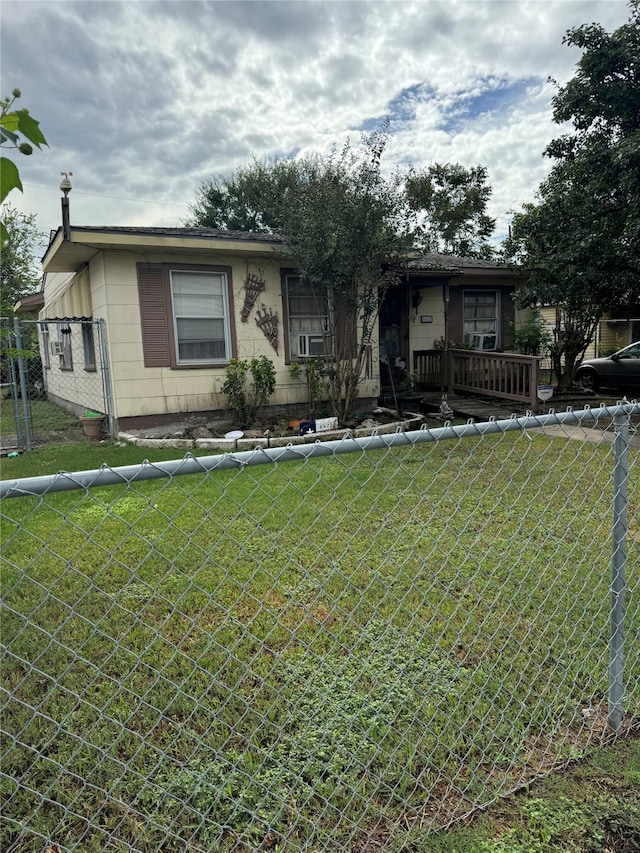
[
  {"x": 593, "y": 806},
  {"x": 83, "y": 455},
  {"x": 304, "y": 655},
  {"x": 46, "y": 418}
]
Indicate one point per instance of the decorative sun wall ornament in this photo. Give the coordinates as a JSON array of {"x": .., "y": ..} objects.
[
  {"x": 268, "y": 322},
  {"x": 252, "y": 287}
]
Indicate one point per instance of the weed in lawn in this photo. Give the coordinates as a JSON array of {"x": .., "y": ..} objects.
[{"x": 339, "y": 718}]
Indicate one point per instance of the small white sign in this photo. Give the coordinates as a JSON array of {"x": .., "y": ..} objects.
[
  {"x": 326, "y": 424},
  {"x": 426, "y": 318}
]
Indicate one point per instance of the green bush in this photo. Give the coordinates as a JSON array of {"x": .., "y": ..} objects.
[
  {"x": 532, "y": 338},
  {"x": 248, "y": 386},
  {"x": 311, "y": 374}
]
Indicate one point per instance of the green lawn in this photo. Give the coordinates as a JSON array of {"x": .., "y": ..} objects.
[
  {"x": 45, "y": 418},
  {"x": 592, "y": 806},
  {"x": 303, "y": 655}
]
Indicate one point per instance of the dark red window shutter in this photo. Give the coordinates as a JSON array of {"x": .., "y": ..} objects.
[
  {"x": 155, "y": 316},
  {"x": 455, "y": 323}
]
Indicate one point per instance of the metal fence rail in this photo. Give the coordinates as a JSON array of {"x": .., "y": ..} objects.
[{"x": 316, "y": 648}]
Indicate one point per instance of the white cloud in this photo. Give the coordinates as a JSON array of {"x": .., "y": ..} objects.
[{"x": 144, "y": 100}]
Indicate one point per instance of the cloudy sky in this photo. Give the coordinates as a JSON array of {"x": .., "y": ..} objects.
[{"x": 143, "y": 100}]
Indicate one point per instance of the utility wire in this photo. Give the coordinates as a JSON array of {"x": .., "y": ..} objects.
[{"x": 116, "y": 197}]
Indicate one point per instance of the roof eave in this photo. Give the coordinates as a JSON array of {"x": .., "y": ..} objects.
[{"x": 70, "y": 255}]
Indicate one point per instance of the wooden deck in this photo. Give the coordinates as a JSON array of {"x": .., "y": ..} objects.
[
  {"x": 473, "y": 407},
  {"x": 482, "y": 409}
]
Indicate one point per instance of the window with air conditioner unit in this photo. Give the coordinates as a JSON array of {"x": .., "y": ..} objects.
[
  {"x": 310, "y": 345},
  {"x": 481, "y": 312},
  {"x": 484, "y": 341},
  {"x": 307, "y": 317},
  {"x": 63, "y": 347}
]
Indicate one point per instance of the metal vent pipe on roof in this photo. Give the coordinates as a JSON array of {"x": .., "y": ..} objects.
[{"x": 65, "y": 186}]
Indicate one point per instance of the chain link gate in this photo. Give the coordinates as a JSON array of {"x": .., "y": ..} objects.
[
  {"x": 340, "y": 646},
  {"x": 52, "y": 372}
]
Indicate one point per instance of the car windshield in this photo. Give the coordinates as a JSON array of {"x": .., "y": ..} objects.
[{"x": 632, "y": 351}]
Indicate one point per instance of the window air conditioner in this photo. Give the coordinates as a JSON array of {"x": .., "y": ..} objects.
[
  {"x": 57, "y": 347},
  {"x": 486, "y": 341},
  {"x": 310, "y": 345}
]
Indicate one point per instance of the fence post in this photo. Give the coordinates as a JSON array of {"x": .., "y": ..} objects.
[
  {"x": 15, "y": 397},
  {"x": 621, "y": 420},
  {"x": 534, "y": 380},
  {"x": 106, "y": 378},
  {"x": 22, "y": 374}
]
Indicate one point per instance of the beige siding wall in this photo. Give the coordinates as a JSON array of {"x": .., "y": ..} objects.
[
  {"x": 74, "y": 387},
  {"x": 423, "y": 335},
  {"x": 611, "y": 338},
  {"x": 140, "y": 390},
  {"x": 521, "y": 317}
]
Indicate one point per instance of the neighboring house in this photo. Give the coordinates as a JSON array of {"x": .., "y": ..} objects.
[
  {"x": 611, "y": 333},
  {"x": 30, "y": 304},
  {"x": 173, "y": 305},
  {"x": 614, "y": 334}
]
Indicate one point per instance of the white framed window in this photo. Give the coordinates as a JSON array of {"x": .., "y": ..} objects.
[
  {"x": 200, "y": 317},
  {"x": 308, "y": 315},
  {"x": 481, "y": 311}
]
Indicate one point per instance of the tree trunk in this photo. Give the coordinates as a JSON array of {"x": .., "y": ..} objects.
[{"x": 572, "y": 335}]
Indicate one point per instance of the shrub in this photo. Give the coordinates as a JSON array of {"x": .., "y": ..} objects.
[
  {"x": 248, "y": 386},
  {"x": 532, "y": 338},
  {"x": 311, "y": 374}
]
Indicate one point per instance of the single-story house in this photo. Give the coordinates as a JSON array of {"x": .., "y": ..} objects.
[{"x": 173, "y": 305}]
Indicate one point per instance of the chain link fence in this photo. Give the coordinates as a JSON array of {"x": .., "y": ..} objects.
[
  {"x": 341, "y": 646},
  {"x": 53, "y": 371}
]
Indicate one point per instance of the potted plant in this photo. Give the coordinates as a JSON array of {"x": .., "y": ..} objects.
[{"x": 93, "y": 424}]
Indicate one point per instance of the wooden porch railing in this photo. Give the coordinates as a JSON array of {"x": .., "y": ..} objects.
[
  {"x": 428, "y": 366},
  {"x": 507, "y": 376}
]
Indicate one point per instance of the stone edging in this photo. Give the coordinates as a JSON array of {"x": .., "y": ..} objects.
[{"x": 226, "y": 445}]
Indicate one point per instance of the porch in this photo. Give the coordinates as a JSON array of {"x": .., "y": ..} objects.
[{"x": 504, "y": 376}]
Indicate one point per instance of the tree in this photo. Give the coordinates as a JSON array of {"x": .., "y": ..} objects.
[
  {"x": 19, "y": 275},
  {"x": 581, "y": 239},
  {"x": 345, "y": 228},
  {"x": 349, "y": 231},
  {"x": 19, "y": 268},
  {"x": 249, "y": 200},
  {"x": 13, "y": 125},
  {"x": 453, "y": 203}
]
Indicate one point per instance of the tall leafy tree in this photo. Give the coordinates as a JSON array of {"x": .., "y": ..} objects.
[
  {"x": 248, "y": 200},
  {"x": 452, "y": 202},
  {"x": 346, "y": 228},
  {"x": 581, "y": 238},
  {"x": 19, "y": 267},
  {"x": 20, "y": 132},
  {"x": 19, "y": 276}
]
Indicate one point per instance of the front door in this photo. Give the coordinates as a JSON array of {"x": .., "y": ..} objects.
[{"x": 393, "y": 328}]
